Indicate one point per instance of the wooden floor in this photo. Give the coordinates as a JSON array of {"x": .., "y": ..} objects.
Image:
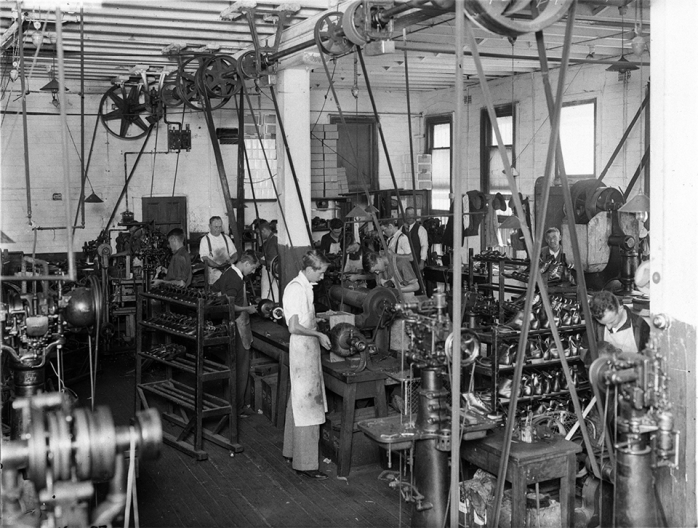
[{"x": 253, "y": 488}]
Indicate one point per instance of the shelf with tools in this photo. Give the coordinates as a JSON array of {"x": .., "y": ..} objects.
[{"x": 177, "y": 327}]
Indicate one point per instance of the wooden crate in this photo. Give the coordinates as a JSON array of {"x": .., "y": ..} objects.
[{"x": 269, "y": 386}]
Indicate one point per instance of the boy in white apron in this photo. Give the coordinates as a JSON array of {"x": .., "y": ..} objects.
[{"x": 308, "y": 405}]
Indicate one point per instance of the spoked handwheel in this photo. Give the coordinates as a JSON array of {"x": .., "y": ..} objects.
[
  {"x": 127, "y": 112},
  {"x": 329, "y": 36}
]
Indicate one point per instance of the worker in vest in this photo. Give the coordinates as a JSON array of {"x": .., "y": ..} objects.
[
  {"x": 270, "y": 251},
  {"x": 217, "y": 250},
  {"x": 396, "y": 240},
  {"x": 419, "y": 240},
  {"x": 418, "y": 236}
]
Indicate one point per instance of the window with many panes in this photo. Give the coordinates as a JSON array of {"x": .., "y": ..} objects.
[
  {"x": 578, "y": 138},
  {"x": 439, "y": 133}
]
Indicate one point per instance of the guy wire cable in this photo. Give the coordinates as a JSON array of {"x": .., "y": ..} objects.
[
  {"x": 373, "y": 216},
  {"x": 401, "y": 208},
  {"x": 290, "y": 164},
  {"x": 254, "y": 196},
  {"x": 271, "y": 175}
]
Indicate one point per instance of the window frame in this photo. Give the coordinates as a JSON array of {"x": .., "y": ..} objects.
[
  {"x": 567, "y": 104},
  {"x": 429, "y": 123},
  {"x": 486, "y": 133}
]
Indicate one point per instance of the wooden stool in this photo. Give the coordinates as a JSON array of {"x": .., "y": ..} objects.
[{"x": 528, "y": 464}]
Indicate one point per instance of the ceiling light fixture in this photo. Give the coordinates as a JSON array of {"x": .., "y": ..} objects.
[{"x": 622, "y": 65}]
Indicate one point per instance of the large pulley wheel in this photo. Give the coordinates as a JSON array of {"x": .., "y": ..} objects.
[
  {"x": 512, "y": 19},
  {"x": 329, "y": 36},
  {"x": 187, "y": 85},
  {"x": 354, "y": 24},
  {"x": 126, "y": 111},
  {"x": 219, "y": 76}
]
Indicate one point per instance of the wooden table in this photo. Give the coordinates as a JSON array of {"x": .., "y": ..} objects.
[
  {"x": 369, "y": 384},
  {"x": 528, "y": 464}
]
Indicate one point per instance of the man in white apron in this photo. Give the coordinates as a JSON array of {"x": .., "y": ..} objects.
[
  {"x": 616, "y": 325},
  {"x": 308, "y": 404}
]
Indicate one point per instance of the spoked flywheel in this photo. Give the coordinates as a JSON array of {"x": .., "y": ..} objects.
[
  {"x": 127, "y": 111},
  {"x": 329, "y": 36}
]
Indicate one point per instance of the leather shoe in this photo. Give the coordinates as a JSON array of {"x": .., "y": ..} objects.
[{"x": 313, "y": 474}]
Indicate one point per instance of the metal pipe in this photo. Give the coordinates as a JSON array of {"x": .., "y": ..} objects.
[
  {"x": 128, "y": 180},
  {"x": 409, "y": 124},
  {"x": 241, "y": 168},
  {"x": 457, "y": 276},
  {"x": 83, "y": 174},
  {"x": 72, "y": 272},
  {"x": 27, "y": 178}
]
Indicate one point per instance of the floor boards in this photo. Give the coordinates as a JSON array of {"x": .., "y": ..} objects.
[{"x": 254, "y": 488}]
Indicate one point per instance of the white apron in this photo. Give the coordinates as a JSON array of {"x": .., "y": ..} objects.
[
  {"x": 625, "y": 339},
  {"x": 305, "y": 364}
]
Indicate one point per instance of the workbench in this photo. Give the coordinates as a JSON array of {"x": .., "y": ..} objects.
[
  {"x": 549, "y": 459},
  {"x": 350, "y": 386},
  {"x": 272, "y": 340}
]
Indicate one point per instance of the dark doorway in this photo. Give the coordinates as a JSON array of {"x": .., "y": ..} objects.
[
  {"x": 166, "y": 213},
  {"x": 357, "y": 151}
]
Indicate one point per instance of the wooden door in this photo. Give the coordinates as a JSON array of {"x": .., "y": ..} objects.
[
  {"x": 357, "y": 152},
  {"x": 166, "y": 213}
]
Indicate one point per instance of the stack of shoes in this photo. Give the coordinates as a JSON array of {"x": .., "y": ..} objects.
[{"x": 167, "y": 352}]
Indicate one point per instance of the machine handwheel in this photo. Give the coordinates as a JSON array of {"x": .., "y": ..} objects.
[
  {"x": 328, "y": 37},
  {"x": 125, "y": 111},
  {"x": 469, "y": 346},
  {"x": 247, "y": 65},
  {"x": 498, "y": 17},
  {"x": 220, "y": 77},
  {"x": 353, "y": 23}
]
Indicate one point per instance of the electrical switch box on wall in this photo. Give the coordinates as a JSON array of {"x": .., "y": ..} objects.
[{"x": 178, "y": 139}]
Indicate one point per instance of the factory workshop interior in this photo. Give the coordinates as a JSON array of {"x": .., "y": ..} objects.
[{"x": 348, "y": 263}]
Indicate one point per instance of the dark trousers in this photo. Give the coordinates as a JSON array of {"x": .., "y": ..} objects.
[{"x": 242, "y": 365}]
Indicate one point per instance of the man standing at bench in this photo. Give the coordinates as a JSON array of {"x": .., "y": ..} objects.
[{"x": 308, "y": 404}]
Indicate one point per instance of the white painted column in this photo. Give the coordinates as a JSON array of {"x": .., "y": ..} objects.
[
  {"x": 293, "y": 92},
  {"x": 674, "y": 226}
]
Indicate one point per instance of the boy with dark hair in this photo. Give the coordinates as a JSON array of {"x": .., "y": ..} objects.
[
  {"x": 616, "y": 325},
  {"x": 179, "y": 268},
  {"x": 232, "y": 285},
  {"x": 270, "y": 251}
]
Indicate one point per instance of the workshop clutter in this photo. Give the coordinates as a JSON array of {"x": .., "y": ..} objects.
[
  {"x": 477, "y": 500},
  {"x": 327, "y": 178},
  {"x": 261, "y": 369},
  {"x": 363, "y": 450}
]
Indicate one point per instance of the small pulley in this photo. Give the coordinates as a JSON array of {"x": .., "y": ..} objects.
[
  {"x": 187, "y": 86},
  {"x": 362, "y": 22},
  {"x": 329, "y": 37}
]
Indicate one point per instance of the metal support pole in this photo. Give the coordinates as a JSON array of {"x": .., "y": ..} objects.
[
  {"x": 457, "y": 275},
  {"x": 27, "y": 179}
]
